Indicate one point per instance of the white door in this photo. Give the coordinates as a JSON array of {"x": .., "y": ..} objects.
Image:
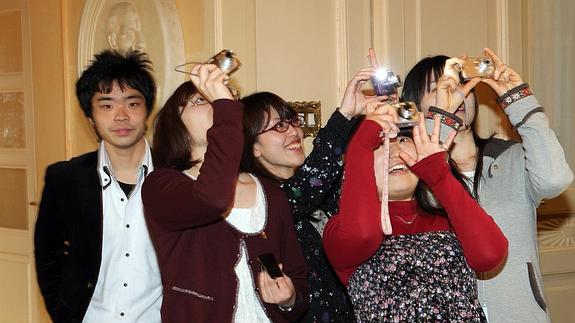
[{"x": 19, "y": 298}]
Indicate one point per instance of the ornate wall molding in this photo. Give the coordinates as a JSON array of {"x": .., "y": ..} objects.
[{"x": 150, "y": 25}]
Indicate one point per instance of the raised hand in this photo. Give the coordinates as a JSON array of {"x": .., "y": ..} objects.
[
  {"x": 354, "y": 100},
  {"x": 211, "y": 82},
  {"x": 450, "y": 94},
  {"x": 504, "y": 78},
  {"x": 427, "y": 145},
  {"x": 372, "y": 58},
  {"x": 385, "y": 115}
]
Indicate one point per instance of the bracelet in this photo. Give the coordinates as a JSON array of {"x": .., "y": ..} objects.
[
  {"x": 286, "y": 309},
  {"x": 446, "y": 118},
  {"x": 514, "y": 95}
]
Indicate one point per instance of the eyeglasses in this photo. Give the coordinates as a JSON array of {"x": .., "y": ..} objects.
[
  {"x": 283, "y": 125},
  {"x": 197, "y": 100}
]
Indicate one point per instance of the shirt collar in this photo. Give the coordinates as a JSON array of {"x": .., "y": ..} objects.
[{"x": 105, "y": 170}]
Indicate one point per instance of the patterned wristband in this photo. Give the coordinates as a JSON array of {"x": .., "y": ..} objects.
[
  {"x": 514, "y": 95},
  {"x": 446, "y": 118}
]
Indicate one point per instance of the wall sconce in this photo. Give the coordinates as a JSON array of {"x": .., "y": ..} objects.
[{"x": 311, "y": 113}]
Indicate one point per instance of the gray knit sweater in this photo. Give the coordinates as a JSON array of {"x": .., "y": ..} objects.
[{"x": 515, "y": 178}]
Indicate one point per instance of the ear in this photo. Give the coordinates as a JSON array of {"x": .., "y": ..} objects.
[
  {"x": 112, "y": 40},
  {"x": 91, "y": 121},
  {"x": 257, "y": 151}
]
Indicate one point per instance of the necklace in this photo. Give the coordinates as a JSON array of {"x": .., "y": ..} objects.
[{"x": 407, "y": 222}]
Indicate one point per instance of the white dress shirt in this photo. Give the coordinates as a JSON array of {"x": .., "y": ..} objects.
[{"x": 129, "y": 287}]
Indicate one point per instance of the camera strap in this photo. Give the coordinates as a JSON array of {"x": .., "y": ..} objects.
[{"x": 385, "y": 220}]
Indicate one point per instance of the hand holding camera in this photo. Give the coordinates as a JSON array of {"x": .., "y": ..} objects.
[
  {"x": 210, "y": 76},
  {"x": 386, "y": 83},
  {"x": 354, "y": 100},
  {"x": 504, "y": 78},
  {"x": 226, "y": 60},
  {"x": 450, "y": 94},
  {"x": 211, "y": 81},
  {"x": 385, "y": 115},
  {"x": 471, "y": 67}
]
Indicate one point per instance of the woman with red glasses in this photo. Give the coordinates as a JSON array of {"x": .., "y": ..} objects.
[{"x": 273, "y": 148}]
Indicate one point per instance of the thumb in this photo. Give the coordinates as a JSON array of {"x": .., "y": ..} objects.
[{"x": 407, "y": 158}]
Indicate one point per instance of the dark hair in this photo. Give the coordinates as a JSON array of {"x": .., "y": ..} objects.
[
  {"x": 416, "y": 84},
  {"x": 131, "y": 69},
  {"x": 418, "y": 80},
  {"x": 257, "y": 113},
  {"x": 172, "y": 142}
]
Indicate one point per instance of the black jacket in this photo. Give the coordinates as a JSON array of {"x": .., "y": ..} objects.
[{"x": 68, "y": 237}]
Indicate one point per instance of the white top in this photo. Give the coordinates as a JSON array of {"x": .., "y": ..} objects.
[
  {"x": 251, "y": 221},
  {"x": 129, "y": 287}
]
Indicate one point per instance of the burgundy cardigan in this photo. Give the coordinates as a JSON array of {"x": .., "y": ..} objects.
[{"x": 197, "y": 249}]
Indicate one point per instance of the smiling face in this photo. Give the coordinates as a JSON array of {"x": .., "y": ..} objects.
[
  {"x": 119, "y": 117},
  {"x": 280, "y": 153},
  {"x": 401, "y": 181}
]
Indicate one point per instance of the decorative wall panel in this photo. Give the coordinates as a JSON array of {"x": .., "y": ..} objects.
[
  {"x": 12, "y": 129},
  {"x": 13, "y": 200},
  {"x": 11, "y": 42}
]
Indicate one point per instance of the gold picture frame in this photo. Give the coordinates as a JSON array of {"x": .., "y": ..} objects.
[{"x": 311, "y": 113}]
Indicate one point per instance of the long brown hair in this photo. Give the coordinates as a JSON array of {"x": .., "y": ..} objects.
[{"x": 172, "y": 142}]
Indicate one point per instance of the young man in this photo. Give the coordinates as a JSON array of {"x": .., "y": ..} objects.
[{"x": 94, "y": 257}]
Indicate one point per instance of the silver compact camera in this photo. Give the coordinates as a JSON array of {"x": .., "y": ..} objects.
[
  {"x": 408, "y": 114},
  {"x": 226, "y": 60},
  {"x": 476, "y": 67},
  {"x": 385, "y": 82}
]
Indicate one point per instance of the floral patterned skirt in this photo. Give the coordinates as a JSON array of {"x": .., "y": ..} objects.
[{"x": 416, "y": 278}]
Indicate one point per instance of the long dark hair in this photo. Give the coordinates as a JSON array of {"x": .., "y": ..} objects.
[
  {"x": 172, "y": 142},
  {"x": 257, "y": 113},
  {"x": 416, "y": 84}
]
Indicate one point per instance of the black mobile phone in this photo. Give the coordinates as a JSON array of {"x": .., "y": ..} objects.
[{"x": 268, "y": 261}]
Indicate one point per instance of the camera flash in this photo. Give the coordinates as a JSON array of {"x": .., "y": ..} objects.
[{"x": 381, "y": 74}]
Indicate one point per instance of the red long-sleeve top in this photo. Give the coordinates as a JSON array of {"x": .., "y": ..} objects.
[{"x": 355, "y": 233}]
